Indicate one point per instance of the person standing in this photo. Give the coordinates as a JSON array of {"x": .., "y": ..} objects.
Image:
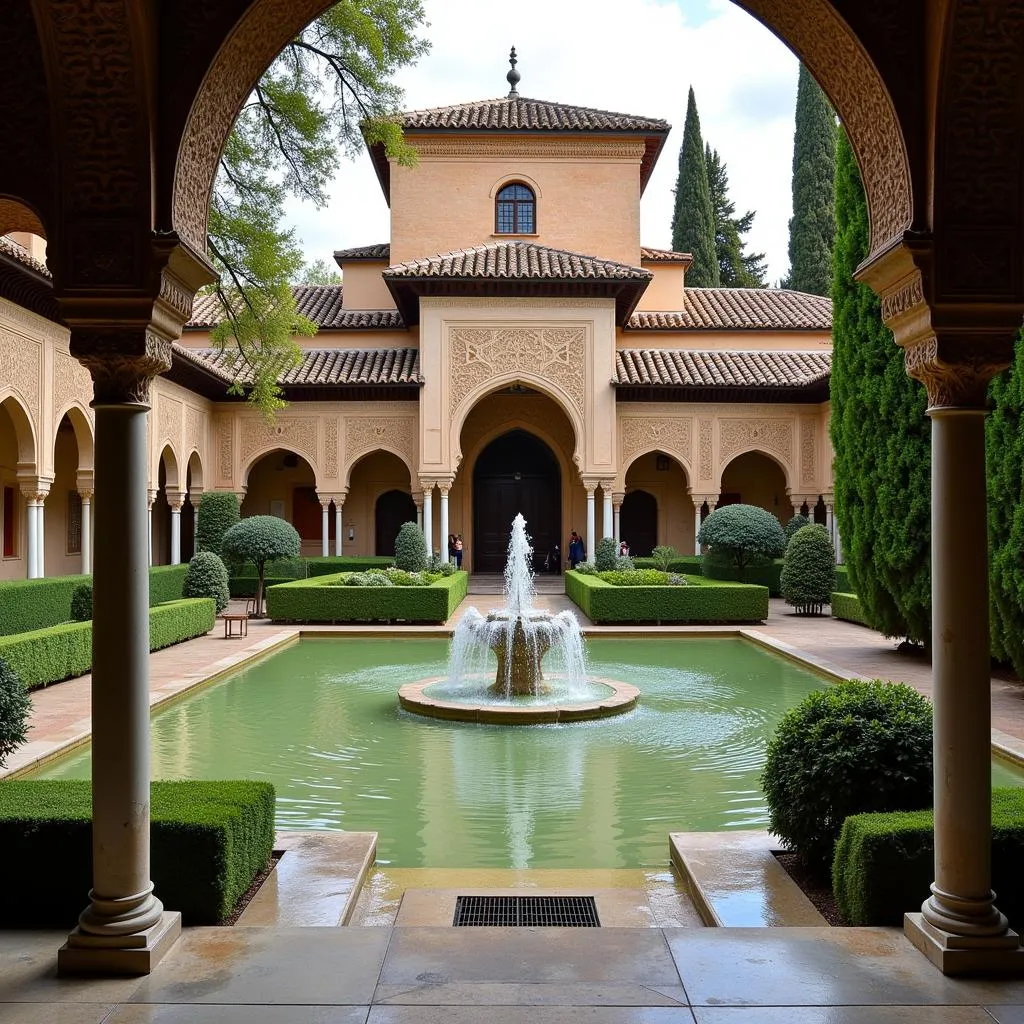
[
  {"x": 451, "y": 547},
  {"x": 458, "y": 551}
]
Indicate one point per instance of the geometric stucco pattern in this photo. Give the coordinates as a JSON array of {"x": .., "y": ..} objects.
[
  {"x": 366, "y": 433},
  {"x": 706, "y": 431},
  {"x": 808, "y": 449},
  {"x": 225, "y": 426},
  {"x": 297, "y": 433},
  {"x": 556, "y": 354},
  {"x": 641, "y": 434},
  {"x": 770, "y": 435},
  {"x": 71, "y": 382},
  {"x": 331, "y": 448},
  {"x": 20, "y": 366}
]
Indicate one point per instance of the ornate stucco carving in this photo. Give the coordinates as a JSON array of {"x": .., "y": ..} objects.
[
  {"x": 122, "y": 362},
  {"x": 643, "y": 434},
  {"x": 193, "y": 428},
  {"x": 225, "y": 447},
  {"x": 168, "y": 418},
  {"x": 478, "y": 354},
  {"x": 365, "y": 433},
  {"x": 808, "y": 451},
  {"x": 71, "y": 383},
  {"x": 770, "y": 435},
  {"x": 706, "y": 460},
  {"x": 957, "y": 376},
  {"x": 331, "y": 448},
  {"x": 20, "y": 367},
  {"x": 295, "y": 433}
]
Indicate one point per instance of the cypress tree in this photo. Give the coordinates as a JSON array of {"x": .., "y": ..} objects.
[
  {"x": 880, "y": 435},
  {"x": 693, "y": 220},
  {"x": 813, "y": 225},
  {"x": 1005, "y": 468},
  {"x": 736, "y": 268}
]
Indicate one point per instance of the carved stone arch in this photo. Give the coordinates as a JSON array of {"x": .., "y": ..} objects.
[
  {"x": 24, "y": 429},
  {"x": 782, "y": 463},
  {"x": 391, "y": 450},
  {"x": 663, "y": 449},
  {"x": 846, "y": 73},
  {"x": 81, "y": 422},
  {"x": 169, "y": 457},
  {"x": 487, "y": 436},
  {"x": 497, "y": 383},
  {"x": 194, "y": 471},
  {"x": 253, "y": 457},
  {"x": 512, "y": 179}
]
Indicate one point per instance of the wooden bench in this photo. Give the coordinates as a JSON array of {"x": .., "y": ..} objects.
[{"x": 230, "y": 618}]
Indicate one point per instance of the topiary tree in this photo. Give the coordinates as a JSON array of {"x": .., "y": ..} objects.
[
  {"x": 410, "y": 548},
  {"x": 218, "y": 512},
  {"x": 663, "y": 556},
  {"x": 81, "y": 603},
  {"x": 744, "y": 535},
  {"x": 798, "y": 522},
  {"x": 809, "y": 572},
  {"x": 851, "y": 748},
  {"x": 15, "y": 707},
  {"x": 257, "y": 539},
  {"x": 207, "y": 576},
  {"x": 606, "y": 553}
]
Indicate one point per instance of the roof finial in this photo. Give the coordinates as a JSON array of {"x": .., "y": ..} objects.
[{"x": 513, "y": 76}]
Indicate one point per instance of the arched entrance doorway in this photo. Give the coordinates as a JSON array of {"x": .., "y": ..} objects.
[
  {"x": 393, "y": 508},
  {"x": 638, "y": 522},
  {"x": 516, "y": 472},
  {"x": 754, "y": 478}
]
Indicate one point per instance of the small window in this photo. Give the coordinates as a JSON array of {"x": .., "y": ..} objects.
[
  {"x": 515, "y": 211},
  {"x": 74, "y": 523},
  {"x": 8, "y": 519}
]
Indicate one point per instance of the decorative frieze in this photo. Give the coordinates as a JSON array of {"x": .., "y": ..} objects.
[
  {"x": 295, "y": 433},
  {"x": 331, "y": 448},
  {"x": 706, "y": 459},
  {"x": 808, "y": 451},
  {"x": 365, "y": 434},
  {"x": 771, "y": 435},
  {"x": 649, "y": 433},
  {"x": 20, "y": 367},
  {"x": 225, "y": 446}
]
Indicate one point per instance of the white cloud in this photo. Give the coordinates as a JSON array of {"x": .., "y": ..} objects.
[{"x": 636, "y": 57}]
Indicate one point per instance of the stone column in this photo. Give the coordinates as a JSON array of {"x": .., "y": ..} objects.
[
  {"x": 150, "y": 499},
  {"x": 32, "y": 538},
  {"x": 444, "y": 487},
  {"x": 607, "y": 528},
  {"x": 417, "y": 500},
  {"x": 339, "y": 501},
  {"x": 591, "y": 540},
  {"x": 696, "y": 526},
  {"x": 428, "y": 514},
  {"x": 175, "y": 499},
  {"x": 617, "y": 497},
  {"x": 41, "y": 533},
  {"x": 86, "y": 496},
  {"x": 325, "y": 525}
]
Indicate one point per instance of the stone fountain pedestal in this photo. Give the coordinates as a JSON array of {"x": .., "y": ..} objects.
[{"x": 519, "y": 656}]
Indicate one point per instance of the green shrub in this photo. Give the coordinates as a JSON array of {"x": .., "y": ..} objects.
[
  {"x": 885, "y": 863},
  {"x": 207, "y": 576},
  {"x": 36, "y": 604},
  {"x": 81, "y": 603},
  {"x": 623, "y": 563},
  {"x": 605, "y": 554},
  {"x": 663, "y": 556},
  {"x": 798, "y": 522},
  {"x": 259, "y": 539},
  {"x": 208, "y": 842},
  {"x": 745, "y": 535},
  {"x": 411, "y": 548},
  {"x": 165, "y": 583},
  {"x": 809, "y": 570},
  {"x": 356, "y": 579},
  {"x": 843, "y": 580},
  {"x": 853, "y": 747},
  {"x": 45, "y": 656},
  {"x": 700, "y": 601},
  {"x": 218, "y": 512},
  {"x": 687, "y": 564},
  {"x": 15, "y": 708},
  {"x": 847, "y": 606},
  {"x": 635, "y": 578},
  {"x": 333, "y": 599},
  {"x": 767, "y": 574},
  {"x": 586, "y": 569},
  {"x": 439, "y": 566},
  {"x": 320, "y": 566}
]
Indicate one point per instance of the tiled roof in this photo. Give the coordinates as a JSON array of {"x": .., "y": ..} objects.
[
  {"x": 518, "y": 113},
  {"x": 741, "y": 309},
  {"x": 664, "y": 255},
  {"x": 379, "y": 251},
  {"x": 319, "y": 366},
  {"x": 515, "y": 261},
  {"x": 9, "y": 247},
  {"x": 320, "y": 303},
  {"x": 690, "y": 368}
]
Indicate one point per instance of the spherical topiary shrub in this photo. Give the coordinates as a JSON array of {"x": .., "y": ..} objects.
[
  {"x": 744, "y": 535},
  {"x": 258, "y": 539},
  {"x": 410, "y": 548},
  {"x": 796, "y": 523},
  {"x": 809, "y": 571},
  {"x": 207, "y": 576},
  {"x": 848, "y": 749},
  {"x": 218, "y": 512},
  {"x": 15, "y": 708},
  {"x": 606, "y": 553},
  {"x": 81, "y": 602}
]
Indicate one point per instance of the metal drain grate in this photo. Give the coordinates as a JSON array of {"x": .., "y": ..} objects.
[{"x": 526, "y": 912}]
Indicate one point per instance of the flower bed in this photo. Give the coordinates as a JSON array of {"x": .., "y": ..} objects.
[
  {"x": 334, "y": 599},
  {"x": 209, "y": 840},
  {"x": 698, "y": 600}
]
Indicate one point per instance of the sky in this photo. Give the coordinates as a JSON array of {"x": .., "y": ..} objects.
[{"x": 631, "y": 56}]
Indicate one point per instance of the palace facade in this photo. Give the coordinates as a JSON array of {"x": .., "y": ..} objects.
[{"x": 514, "y": 347}]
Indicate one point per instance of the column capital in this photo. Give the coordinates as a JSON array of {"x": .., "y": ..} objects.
[
  {"x": 325, "y": 500},
  {"x": 617, "y": 498},
  {"x": 607, "y": 485},
  {"x": 428, "y": 483},
  {"x": 591, "y": 484},
  {"x": 34, "y": 488},
  {"x": 699, "y": 498},
  {"x": 175, "y": 499},
  {"x": 151, "y": 496},
  {"x": 85, "y": 493},
  {"x": 445, "y": 484}
]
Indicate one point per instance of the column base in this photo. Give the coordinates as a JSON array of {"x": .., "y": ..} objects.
[
  {"x": 137, "y": 953},
  {"x": 961, "y": 954}
]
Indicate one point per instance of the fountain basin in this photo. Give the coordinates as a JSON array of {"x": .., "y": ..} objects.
[{"x": 621, "y": 697}]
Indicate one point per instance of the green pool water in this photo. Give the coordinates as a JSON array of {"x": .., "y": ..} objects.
[{"x": 320, "y": 721}]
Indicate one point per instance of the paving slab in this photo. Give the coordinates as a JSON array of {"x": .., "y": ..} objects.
[
  {"x": 292, "y": 1014},
  {"x": 54, "y": 1013},
  {"x": 532, "y": 1015},
  {"x": 841, "y": 1015}
]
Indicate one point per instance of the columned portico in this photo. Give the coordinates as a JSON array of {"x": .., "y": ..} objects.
[
  {"x": 325, "y": 524},
  {"x": 86, "y": 495},
  {"x": 607, "y": 527},
  {"x": 444, "y": 486},
  {"x": 617, "y": 498},
  {"x": 35, "y": 491},
  {"x": 698, "y": 504},
  {"x": 339, "y": 504},
  {"x": 591, "y": 487},
  {"x": 428, "y": 513},
  {"x": 175, "y": 499}
]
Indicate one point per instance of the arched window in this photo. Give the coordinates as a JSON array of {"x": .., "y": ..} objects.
[{"x": 515, "y": 211}]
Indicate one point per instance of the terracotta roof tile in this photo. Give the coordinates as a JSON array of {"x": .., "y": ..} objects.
[
  {"x": 518, "y": 113},
  {"x": 9, "y": 247},
  {"x": 691, "y": 368},
  {"x": 515, "y": 260},
  {"x": 378, "y": 251},
  {"x": 664, "y": 255},
  {"x": 741, "y": 309},
  {"x": 320, "y": 303},
  {"x": 319, "y": 366}
]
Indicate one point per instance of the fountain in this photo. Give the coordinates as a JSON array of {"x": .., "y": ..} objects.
[{"x": 520, "y": 636}]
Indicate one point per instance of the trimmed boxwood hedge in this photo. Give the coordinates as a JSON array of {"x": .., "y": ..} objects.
[
  {"x": 318, "y": 600},
  {"x": 45, "y": 656},
  {"x": 843, "y": 580},
  {"x": 847, "y": 606},
  {"x": 165, "y": 583},
  {"x": 884, "y": 863},
  {"x": 208, "y": 842},
  {"x": 687, "y": 565},
  {"x": 701, "y": 601},
  {"x": 320, "y": 566},
  {"x": 768, "y": 575}
]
